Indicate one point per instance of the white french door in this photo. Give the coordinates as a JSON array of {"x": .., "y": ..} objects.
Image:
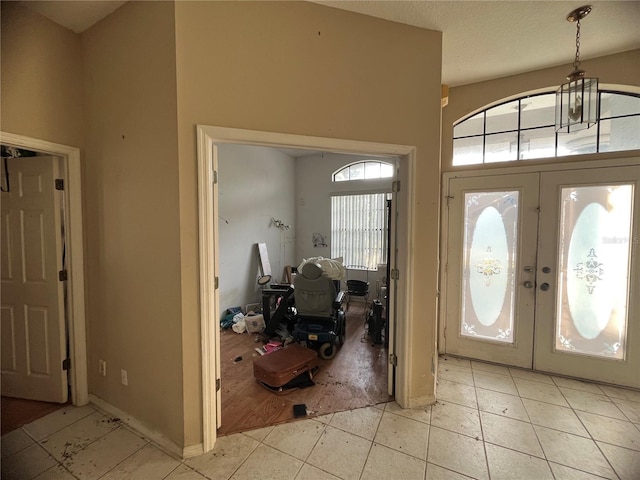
[{"x": 542, "y": 271}]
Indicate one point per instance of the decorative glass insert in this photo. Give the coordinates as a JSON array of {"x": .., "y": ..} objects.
[
  {"x": 593, "y": 278},
  {"x": 488, "y": 277},
  {"x": 524, "y": 129}
]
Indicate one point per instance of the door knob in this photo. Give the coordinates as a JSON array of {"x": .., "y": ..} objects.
[
  {"x": 544, "y": 286},
  {"x": 528, "y": 284},
  {"x": 546, "y": 269}
]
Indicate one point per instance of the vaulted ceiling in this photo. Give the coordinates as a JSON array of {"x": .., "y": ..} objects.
[{"x": 481, "y": 39}]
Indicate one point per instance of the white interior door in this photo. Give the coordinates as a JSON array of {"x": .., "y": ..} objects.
[
  {"x": 588, "y": 278},
  {"x": 491, "y": 252},
  {"x": 32, "y": 319},
  {"x": 542, "y": 271}
]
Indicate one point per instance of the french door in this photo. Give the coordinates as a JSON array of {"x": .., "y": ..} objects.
[{"x": 542, "y": 271}]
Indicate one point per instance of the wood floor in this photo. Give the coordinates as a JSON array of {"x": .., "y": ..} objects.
[
  {"x": 17, "y": 412},
  {"x": 355, "y": 377}
]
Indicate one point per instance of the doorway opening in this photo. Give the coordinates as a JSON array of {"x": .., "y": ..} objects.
[
  {"x": 69, "y": 172},
  {"x": 209, "y": 139},
  {"x": 257, "y": 184}
]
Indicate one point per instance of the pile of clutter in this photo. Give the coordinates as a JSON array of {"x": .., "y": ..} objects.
[{"x": 239, "y": 322}]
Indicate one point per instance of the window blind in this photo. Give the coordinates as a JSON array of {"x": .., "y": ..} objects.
[{"x": 359, "y": 229}]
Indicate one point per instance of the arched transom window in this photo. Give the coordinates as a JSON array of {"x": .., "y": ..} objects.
[
  {"x": 523, "y": 129},
  {"x": 367, "y": 170}
]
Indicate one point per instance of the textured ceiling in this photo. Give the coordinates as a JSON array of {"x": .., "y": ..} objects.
[
  {"x": 481, "y": 39},
  {"x": 489, "y": 39}
]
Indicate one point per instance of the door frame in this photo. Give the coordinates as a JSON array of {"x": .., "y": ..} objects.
[
  {"x": 75, "y": 305},
  {"x": 208, "y": 137},
  {"x": 569, "y": 164}
]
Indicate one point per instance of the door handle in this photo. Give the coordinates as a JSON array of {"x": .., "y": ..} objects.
[
  {"x": 529, "y": 268},
  {"x": 544, "y": 287},
  {"x": 528, "y": 284}
]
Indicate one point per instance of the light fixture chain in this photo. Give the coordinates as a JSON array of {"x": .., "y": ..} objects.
[{"x": 576, "y": 62}]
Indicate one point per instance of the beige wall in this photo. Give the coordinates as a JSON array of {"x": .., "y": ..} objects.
[
  {"x": 301, "y": 68},
  {"x": 619, "y": 69},
  {"x": 287, "y": 67},
  {"x": 132, "y": 216},
  {"x": 41, "y": 74}
]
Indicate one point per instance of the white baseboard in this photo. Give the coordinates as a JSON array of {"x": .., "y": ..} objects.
[{"x": 169, "y": 445}]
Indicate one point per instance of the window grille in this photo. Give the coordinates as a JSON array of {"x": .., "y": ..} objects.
[{"x": 524, "y": 129}]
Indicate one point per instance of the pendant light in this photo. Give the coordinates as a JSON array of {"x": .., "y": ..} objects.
[{"x": 577, "y": 100}]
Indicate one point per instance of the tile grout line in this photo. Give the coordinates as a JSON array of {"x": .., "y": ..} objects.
[
  {"x": 372, "y": 441},
  {"x": 535, "y": 433},
  {"x": 426, "y": 458}
]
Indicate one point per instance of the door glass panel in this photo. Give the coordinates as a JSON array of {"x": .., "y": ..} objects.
[
  {"x": 593, "y": 279},
  {"x": 489, "y": 249}
]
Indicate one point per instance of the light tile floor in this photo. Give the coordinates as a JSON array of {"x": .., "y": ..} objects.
[{"x": 490, "y": 422}]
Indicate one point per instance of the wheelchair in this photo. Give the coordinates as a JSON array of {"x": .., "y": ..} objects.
[{"x": 319, "y": 320}]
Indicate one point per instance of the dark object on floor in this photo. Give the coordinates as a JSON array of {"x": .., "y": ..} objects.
[
  {"x": 237, "y": 359},
  {"x": 376, "y": 322},
  {"x": 287, "y": 369},
  {"x": 276, "y": 307},
  {"x": 300, "y": 410}
]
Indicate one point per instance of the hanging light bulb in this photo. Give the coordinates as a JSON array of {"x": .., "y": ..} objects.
[{"x": 577, "y": 100}]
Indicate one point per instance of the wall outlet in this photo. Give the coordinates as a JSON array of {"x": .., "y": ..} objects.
[
  {"x": 123, "y": 377},
  {"x": 102, "y": 367}
]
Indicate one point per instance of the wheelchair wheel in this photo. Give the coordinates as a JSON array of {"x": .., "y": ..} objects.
[
  {"x": 342, "y": 332},
  {"x": 327, "y": 351}
]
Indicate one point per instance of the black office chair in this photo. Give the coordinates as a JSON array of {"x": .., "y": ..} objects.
[
  {"x": 358, "y": 289},
  {"x": 320, "y": 320}
]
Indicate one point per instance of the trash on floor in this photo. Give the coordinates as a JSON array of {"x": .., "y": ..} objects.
[{"x": 300, "y": 410}]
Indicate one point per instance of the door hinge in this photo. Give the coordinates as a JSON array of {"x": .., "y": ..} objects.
[
  {"x": 395, "y": 186},
  {"x": 63, "y": 276},
  {"x": 216, "y": 283},
  {"x": 395, "y": 274},
  {"x": 218, "y": 384},
  {"x": 66, "y": 364},
  {"x": 449, "y": 198},
  {"x": 59, "y": 184},
  {"x": 215, "y": 176},
  {"x": 393, "y": 359}
]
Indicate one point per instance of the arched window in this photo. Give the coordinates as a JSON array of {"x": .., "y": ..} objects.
[
  {"x": 367, "y": 170},
  {"x": 523, "y": 129},
  {"x": 359, "y": 222}
]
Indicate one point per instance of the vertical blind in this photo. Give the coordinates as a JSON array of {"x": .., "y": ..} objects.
[{"x": 359, "y": 229}]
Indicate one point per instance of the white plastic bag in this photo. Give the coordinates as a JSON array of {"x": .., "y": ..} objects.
[
  {"x": 240, "y": 326},
  {"x": 330, "y": 267}
]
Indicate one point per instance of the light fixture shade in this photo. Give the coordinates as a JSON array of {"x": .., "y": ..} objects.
[{"x": 577, "y": 104}]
